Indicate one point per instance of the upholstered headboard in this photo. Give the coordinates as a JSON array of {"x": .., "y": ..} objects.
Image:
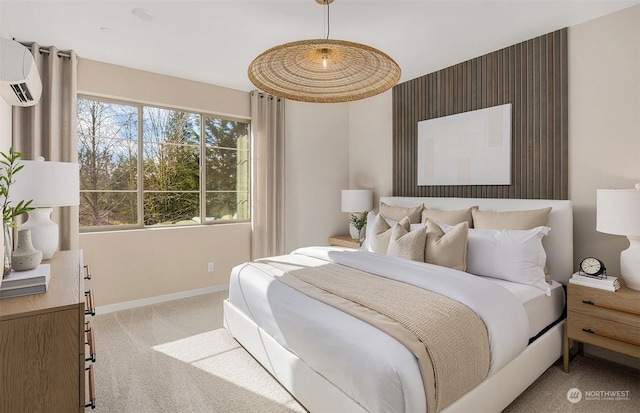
[{"x": 558, "y": 244}]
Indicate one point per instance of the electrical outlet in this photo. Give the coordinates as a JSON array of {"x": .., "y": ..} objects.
[{"x": 210, "y": 267}]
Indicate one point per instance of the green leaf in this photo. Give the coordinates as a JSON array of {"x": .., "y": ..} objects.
[{"x": 7, "y": 170}]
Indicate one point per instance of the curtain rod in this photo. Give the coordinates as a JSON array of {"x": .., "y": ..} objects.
[
  {"x": 47, "y": 51},
  {"x": 44, "y": 50}
]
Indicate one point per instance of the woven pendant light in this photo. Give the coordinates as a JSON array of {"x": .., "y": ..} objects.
[{"x": 323, "y": 70}]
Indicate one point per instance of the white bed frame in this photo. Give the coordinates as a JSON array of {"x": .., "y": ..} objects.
[{"x": 317, "y": 394}]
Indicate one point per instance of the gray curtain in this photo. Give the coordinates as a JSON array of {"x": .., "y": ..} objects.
[
  {"x": 267, "y": 137},
  {"x": 48, "y": 128}
]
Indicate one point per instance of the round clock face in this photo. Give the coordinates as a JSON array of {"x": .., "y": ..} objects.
[{"x": 592, "y": 266}]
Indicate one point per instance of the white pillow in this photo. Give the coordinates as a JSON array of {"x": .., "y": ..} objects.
[
  {"x": 368, "y": 231},
  {"x": 512, "y": 255}
]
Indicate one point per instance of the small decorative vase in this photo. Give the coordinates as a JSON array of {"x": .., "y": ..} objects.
[
  {"x": 8, "y": 247},
  {"x": 353, "y": 231},
  {"x": 362, "y": 233},
  {"x": 25, "y": 257}
]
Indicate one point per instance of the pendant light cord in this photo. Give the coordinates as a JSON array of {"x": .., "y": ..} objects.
[{"x": 326, "y": 2}]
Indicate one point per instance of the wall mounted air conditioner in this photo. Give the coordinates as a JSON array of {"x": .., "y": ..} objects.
[{"x": 20, "y": 83}]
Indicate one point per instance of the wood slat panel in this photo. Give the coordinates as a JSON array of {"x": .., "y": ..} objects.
[{"x": 533, "y": 77}]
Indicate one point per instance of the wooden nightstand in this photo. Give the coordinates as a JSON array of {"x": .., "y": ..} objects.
[
  {"x": 602, "y": 318},
  {"x": 344, "y": 241}
]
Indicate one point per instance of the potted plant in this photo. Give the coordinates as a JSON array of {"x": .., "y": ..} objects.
[
  {"x": 9, "y": 167},
  {"x": 359, "y": 221}
]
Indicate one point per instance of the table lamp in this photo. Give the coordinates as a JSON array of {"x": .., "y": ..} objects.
[
  {"x": 618, "y": 212},
  {"x": 49, "y": 185},
  {"x": 356, "y": 201}
]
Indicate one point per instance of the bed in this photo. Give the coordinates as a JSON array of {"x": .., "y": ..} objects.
[{"x": 332, "y": 360}]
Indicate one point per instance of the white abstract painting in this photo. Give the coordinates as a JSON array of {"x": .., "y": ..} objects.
[{"x": 471, "y": 148}]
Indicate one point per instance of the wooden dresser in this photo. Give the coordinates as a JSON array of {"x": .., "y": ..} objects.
[
  {"x": 603, "y": 318},
  {"x": 42, "y": 343}
]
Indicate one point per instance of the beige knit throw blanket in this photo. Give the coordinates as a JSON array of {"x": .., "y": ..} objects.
[{"x": 449, "y": 340}]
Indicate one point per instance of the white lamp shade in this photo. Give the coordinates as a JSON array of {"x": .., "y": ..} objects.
[
  {"x": 618, "y": 211},
  {"x": 48, "y": 184},
  {"x": 356, "y": 200}
]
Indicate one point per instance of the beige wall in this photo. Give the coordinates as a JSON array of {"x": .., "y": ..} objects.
[
  {"x": 604, "y": 131},
  {"x": 370, "y": 145},
  {"x": 316, "y": 169},
  {"x": 134, "y": 265},
  {"x": 604, "y": 124},
  {"x": 138, "y": 264},
  {"x": 106, "y": 80}
]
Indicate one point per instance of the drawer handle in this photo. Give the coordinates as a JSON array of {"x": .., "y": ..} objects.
[
  {"x": 624, "y": 340},
  {"x": 92, "y": 389},
  {"x": 87, "y": 272},
  {"x": 610, "y": 307},
  {"x": 89, "y": 341},
  {"x": 90, "y": 310}
]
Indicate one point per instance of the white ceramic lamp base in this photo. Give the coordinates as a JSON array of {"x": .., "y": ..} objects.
[
  {"x": 44, "y": 232},
  {"x": 630, "y": 264}
]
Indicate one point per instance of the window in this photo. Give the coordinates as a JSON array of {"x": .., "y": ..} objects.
[{"x": 148, "y": 166}]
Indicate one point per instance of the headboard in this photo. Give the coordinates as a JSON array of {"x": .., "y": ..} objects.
[{"x": 558, "y": 244}]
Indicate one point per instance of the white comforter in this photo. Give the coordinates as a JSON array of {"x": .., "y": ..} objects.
[{"x": 370, "y": 366}]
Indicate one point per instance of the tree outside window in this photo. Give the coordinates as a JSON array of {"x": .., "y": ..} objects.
[{"x": 166, "y": 185}]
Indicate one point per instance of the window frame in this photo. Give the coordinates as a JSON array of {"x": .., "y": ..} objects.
[{"x": 140, "y": 191}]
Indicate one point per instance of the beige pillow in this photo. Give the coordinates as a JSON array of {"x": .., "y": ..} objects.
[
  {"x": 381, "y": 233},
  {"x": 407, "y": 244},
  {"x": 523, "y": 220},
  {"x": 447, "y": 249},
  {"x": 397, "y": 213},
  {"x": 527, "y": 219},
  {"x": 449, "y": 217}
]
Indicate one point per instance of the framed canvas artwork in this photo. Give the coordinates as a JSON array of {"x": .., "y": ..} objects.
[{"x": 470, "y": 148}]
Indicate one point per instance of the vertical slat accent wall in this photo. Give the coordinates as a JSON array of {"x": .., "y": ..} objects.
[{"x": 533, "y": 77}]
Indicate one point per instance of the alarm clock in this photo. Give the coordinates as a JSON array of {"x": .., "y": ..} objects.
[{"x": 593, "y": 267}]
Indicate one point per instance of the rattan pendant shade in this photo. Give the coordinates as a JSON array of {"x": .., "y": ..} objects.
[{"x": 323, "y": 71}]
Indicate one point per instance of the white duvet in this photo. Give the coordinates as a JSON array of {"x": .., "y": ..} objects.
[{"x": 371, "y": 367}]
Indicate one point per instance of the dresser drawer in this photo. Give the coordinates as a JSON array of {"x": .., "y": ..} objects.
[
  {"x": 618, "y": 306},
  {"x": 604, "y": 333}
]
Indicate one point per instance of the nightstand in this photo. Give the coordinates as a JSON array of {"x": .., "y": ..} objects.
[
  {"x": 602, "y": 318},
  {"x": 344, "y": 241}
]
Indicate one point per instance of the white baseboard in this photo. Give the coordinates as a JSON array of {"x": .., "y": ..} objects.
[{"x": 160, "y": 299}]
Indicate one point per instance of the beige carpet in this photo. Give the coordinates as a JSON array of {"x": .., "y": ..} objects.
[{"x": 177, "y": 357}]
